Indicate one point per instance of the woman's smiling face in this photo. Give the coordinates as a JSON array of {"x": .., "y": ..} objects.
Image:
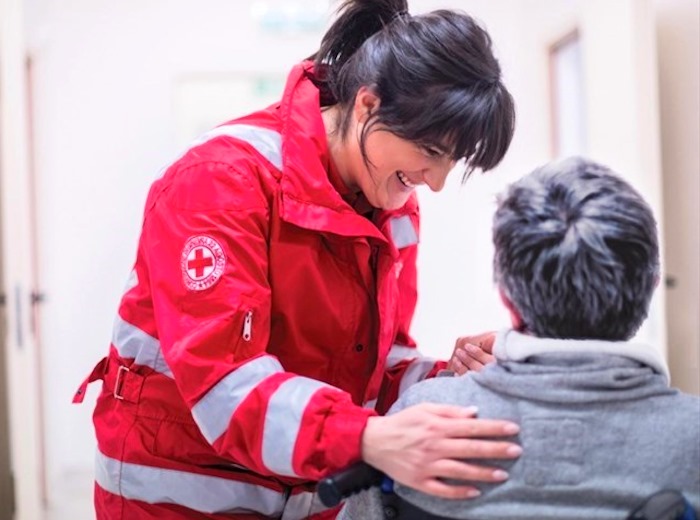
[
  {"x": 396, "y": 167},
  {"x": 393, "y": 167}
]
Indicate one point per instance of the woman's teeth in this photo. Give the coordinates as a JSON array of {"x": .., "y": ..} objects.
[{"x": 404, "y": 180}]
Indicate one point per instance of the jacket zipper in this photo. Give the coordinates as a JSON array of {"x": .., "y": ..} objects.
[{"x": 248, "y": 326}]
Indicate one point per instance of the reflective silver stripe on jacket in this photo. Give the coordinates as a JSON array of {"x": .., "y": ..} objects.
[
  {"x": 400, "y": 353},
  {"x": 213, "y": 412},
  {"x": 416, "y": 371},
  {"x": 403, "y": 233},
  {"x": 203, "y": 493},
  {"x": 419, "y": 368},
  {"x": 285, "y": 410},
  {"x": 132, "y": 342},
  {"x": 132, "y": 281},
  {"x": 370, "y": 405},
  {"x": 267, "y": 143}
]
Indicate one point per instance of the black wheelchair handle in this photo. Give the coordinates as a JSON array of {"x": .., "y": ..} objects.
[{"x": 334, "y": 488}]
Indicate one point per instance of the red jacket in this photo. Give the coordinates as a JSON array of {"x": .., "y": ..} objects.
[{"x": 263, "y": 318}]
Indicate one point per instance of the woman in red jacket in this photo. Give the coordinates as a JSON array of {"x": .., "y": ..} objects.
[{"x": 265, "y": 326}]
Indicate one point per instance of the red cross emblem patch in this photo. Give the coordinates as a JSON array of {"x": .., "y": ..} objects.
[{"x": 202, "y": 263}]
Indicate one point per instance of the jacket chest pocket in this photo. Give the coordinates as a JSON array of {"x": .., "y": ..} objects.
[
  {"x": 317, "y": 290},
  {"x": 321, "y": 309}
]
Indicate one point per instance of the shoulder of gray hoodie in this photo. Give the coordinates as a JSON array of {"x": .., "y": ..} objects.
[{"x": 599, "y": 432}]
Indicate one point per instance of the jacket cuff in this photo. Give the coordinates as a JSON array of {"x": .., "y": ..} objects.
[{"x": 347, "y": 428}]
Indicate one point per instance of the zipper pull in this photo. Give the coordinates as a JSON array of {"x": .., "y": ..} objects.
[{"x": 248, "y": 326}]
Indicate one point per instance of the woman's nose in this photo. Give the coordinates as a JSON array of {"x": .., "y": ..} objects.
[{"x": 435, "y": 178}]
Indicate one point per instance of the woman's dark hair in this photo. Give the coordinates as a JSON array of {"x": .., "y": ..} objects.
[{"x": 435, "y": 74}]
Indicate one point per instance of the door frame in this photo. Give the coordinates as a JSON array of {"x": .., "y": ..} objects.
[{"x": 20, "y": 374}]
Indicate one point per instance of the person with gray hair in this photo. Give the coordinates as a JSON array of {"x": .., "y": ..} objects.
[
  {"x": 576, "y": 262},
  {"x": 576, "y": 253}
]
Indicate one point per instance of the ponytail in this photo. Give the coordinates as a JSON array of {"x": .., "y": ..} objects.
[{"x": 357, "y": 20}]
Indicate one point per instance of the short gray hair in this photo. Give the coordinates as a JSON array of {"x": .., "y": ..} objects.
[{"x": 576, "y": 251}]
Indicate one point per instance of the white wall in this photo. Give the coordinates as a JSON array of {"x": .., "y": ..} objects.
[
  {"x": 623, "y": 111},
  {"x": 107, "y": 75},
  {"x": 456, "y": 292},
  {"x": 678, "y": 28}
]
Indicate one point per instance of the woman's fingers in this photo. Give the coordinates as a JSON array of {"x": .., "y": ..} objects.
[
  {"x": 454, "y": 469},
  {"x": 477, "y": 449},
  {"x": 480, "y": 428},
  {"x": 446, "y": 410},
  {"x": 471, "y": 357},
  {"x": 459, "y": 471},
  {"x": 472, "y": 353},
  {"x": 476, "y": 353},
  {"x": 484, "y": 341},
  {"x": 457, "y": 364},
  {"x": 461, "y": 363},
  {"x": 440, "y": 489},
  {"x": 462, "y": 422}
]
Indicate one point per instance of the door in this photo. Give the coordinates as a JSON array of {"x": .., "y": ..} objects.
[{"x": 20, "y": 454}]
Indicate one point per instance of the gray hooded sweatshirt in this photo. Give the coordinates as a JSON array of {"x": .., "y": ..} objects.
[{"x": 600, "y": 430}]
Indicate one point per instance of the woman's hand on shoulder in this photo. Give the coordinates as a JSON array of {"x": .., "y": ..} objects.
[{"x": 421, "y": 445}]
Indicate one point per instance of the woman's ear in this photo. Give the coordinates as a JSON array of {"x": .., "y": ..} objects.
[
  {"x": 366, "y": 104},
  {"x": 516, "y": 319}
]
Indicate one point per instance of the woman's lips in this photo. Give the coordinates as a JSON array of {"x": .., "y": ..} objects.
[{"x": 405, "y": 180}]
